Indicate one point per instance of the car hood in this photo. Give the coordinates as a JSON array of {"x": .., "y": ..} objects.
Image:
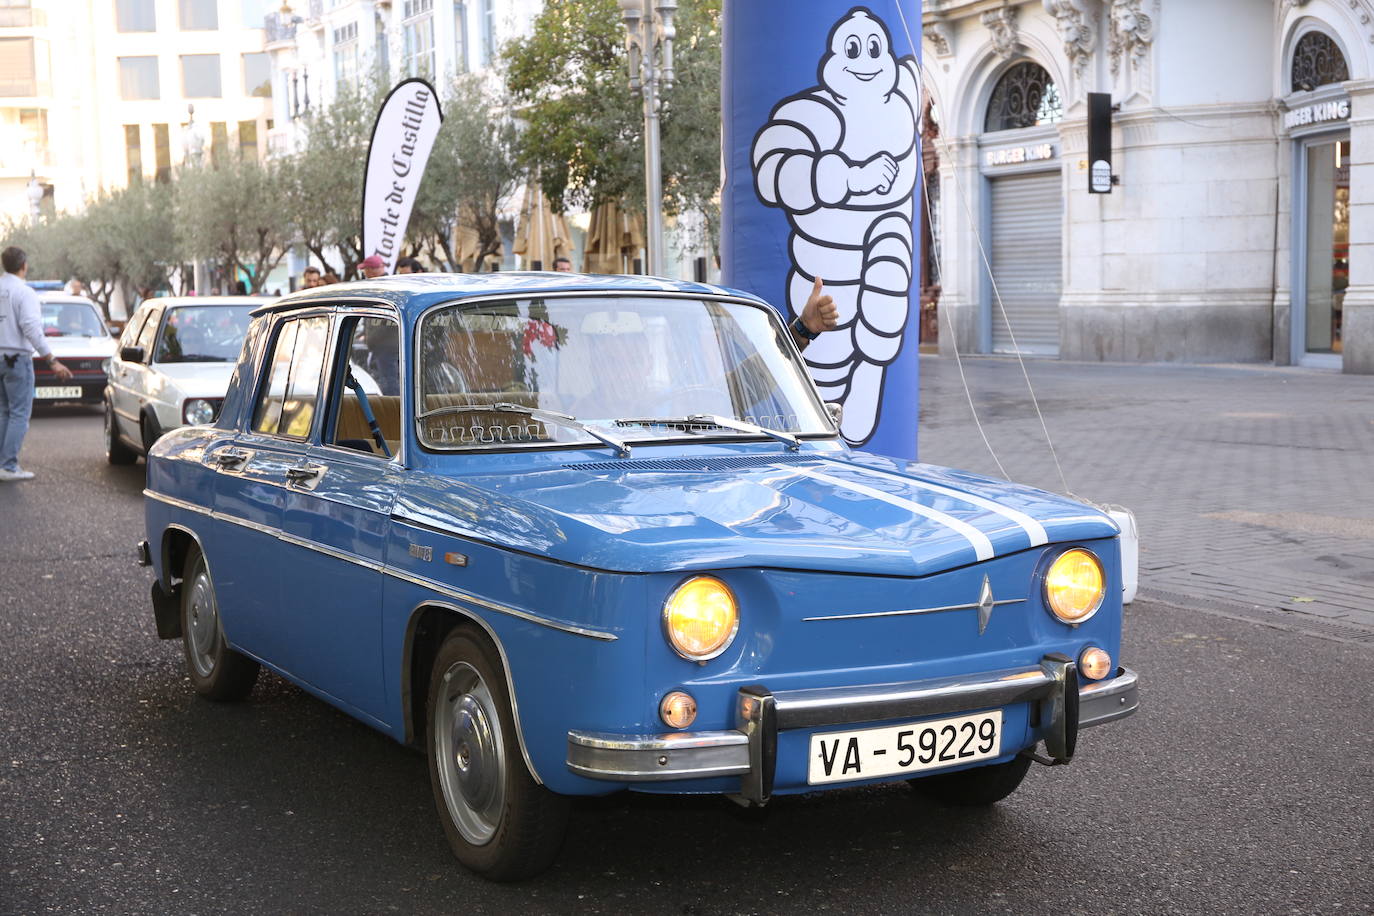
[
  {"x": 196, "y": 380},
  {"x": 855, "y": 513},
  {"x": 81, "y": 347}
]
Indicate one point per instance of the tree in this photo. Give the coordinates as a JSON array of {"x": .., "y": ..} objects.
[
  {"x": 472, "y": 170},
  {"x": 323, "y": 182},
  {"x": 585, "y": 129},
  {"x": 233, "y": 214}
]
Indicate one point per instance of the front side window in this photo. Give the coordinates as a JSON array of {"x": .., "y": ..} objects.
[
  {"x": 203, "y": 334},
  {"x": 635, "y": 367},
  {"x": 200, "y": 76},
  {"x": 145, "y": 335},
  {"x": 1025, "y": 96},
  {"x": 370, "y": 391},
  {"x": 286, "y": 406}
]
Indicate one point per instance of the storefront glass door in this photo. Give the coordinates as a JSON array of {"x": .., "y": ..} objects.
[{"x": 1328, "y": 247}]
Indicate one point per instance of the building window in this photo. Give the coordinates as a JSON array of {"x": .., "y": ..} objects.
[
  {"x": 418, "y": 38},
  {"x": 257, "y": 75},
  {"x": 248, "y": 139},
  {"x": 1025, "y": 96},
  {"x": 33, "y": 129},
  {"x": 219, "y": 143},
  {"x": 135, "y": 16},
  {"x": 23, "y": 67},
  {"x": 138, "y": 78},
  {"x": 488, "y": 26},
  {"x": 200, "y": 76},
  {"x": 345, "y": 56},
  {"x": 20, "y": 14},
  {"x": 198, "y": 15},
  {"x": 255, "y": 12},
  {"x": 162, "y": 152},
  {"x": 1317, "y": 61},
  {"x": 133, "y": 153},
  {"x": 460, "y": 37}
]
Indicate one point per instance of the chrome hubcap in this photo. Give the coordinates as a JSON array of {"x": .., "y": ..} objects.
[
  {"x": 470, "y": 753},
  {"x": 202, "y": 623}
]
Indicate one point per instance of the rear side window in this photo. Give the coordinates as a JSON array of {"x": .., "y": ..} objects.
[{"x": 286, "y": 406}]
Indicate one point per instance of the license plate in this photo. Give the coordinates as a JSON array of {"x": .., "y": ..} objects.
[
  {"x": 895, "y": 749},
  {"x": 57, "y": 391}
]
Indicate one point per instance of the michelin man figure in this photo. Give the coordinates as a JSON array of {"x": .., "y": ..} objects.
[{"x": 840, "y": 160}]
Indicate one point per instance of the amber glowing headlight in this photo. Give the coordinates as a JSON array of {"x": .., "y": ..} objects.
[
  {"x": 700, "y": 618},
  {"x": 1075, "y": 585},
  {"x": 678, "y": 709}
]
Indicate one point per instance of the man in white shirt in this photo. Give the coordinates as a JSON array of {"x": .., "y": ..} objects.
[{"x": 21, "y": 335}]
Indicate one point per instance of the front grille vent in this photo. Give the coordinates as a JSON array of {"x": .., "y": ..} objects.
[{"x": 698, "y": 465}]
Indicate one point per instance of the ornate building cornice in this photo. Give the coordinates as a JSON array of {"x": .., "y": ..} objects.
[{"x": 1001, "y": 23}]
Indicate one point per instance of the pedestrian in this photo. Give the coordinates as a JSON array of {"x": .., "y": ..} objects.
[
  {"x": 330, "y": 278},
  {"x": 310, "y": 278},
  {"x": 409, "y": 266},
  {"x": 75, "y": 287},
  {"x": 21, "y": 335},
  {"x": 372, "y": 266},
  {"x": 562, "y": 265},
  {"x": 240, "y": 288}
]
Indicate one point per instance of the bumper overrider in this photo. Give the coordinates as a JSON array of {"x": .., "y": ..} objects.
[{"x": 749, "y": 751}]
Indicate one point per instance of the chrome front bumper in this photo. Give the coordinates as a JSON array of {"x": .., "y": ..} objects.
[{"x": 1064, "y": 705}]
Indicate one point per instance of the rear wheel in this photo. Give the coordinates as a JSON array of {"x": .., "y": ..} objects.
[
  {"x": 498, "y": 820},
  {"x": 975, "y": 787},
  {"x": 217, "y": 671},
  {"x": 116, "y": 452}
]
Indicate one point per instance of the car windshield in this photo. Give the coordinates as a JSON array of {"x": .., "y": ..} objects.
[
  {"x": 203, "y": 334},
  {"x": 633, "y": 368},
  {"x": 72, "y": 319}
]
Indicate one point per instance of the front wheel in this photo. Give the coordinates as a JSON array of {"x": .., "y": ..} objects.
[
  {"x": 975, "y": 787},
  {"x": 217, "y": 671},
  {"x": 116, "y": 452},
  {"x": 498, "y": 820}
]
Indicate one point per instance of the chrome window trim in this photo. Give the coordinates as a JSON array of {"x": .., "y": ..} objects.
[
  {"x": 785, "y": 335},
  {"x": 422, "y": 581}
]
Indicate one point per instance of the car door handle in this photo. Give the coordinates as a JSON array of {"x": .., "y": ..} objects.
[
  {"x": 305, "y": 472},
  {"x": 232, "y": 457}
]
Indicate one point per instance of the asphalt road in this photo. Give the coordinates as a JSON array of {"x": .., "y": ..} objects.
[{"x": 1245, "y": 785}]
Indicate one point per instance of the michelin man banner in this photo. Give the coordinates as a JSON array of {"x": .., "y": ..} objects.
[
  {"x": 820, "y": 103},
  {"x": 402, "y": 139}
]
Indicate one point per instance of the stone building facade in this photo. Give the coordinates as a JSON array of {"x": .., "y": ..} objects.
[{"x": 1241, "y": 228}]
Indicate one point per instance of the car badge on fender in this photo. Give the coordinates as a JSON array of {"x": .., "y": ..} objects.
[{"x": 985, "y": 606}]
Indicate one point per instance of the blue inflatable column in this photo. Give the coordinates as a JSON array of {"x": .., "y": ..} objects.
[{"x": 822, "y": 179}]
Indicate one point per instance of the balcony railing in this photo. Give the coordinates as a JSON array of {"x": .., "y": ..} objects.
[{"x": 277, "y": 30}]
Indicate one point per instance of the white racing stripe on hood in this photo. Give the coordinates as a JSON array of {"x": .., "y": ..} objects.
[
  {"x": 1034, "y": 530},
  {"x": 982, "y": 546}
]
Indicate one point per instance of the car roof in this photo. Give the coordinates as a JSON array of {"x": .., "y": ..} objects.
[
  {"x": 413, "y": 293},
  {"x": 64, "y": 299},
  {"x": 180, "y": 301}
]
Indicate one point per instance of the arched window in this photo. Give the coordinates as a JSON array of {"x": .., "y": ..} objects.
[
  {"x": 1025, "y": 96},
  {"x": 1317, "y": 61}
]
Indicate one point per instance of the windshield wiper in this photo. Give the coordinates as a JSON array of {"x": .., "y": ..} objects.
[
  {"x": 552, "y": 417},
  {"x": 707, "y": 419}
]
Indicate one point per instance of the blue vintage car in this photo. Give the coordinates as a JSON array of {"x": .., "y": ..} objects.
[{"x": 573, "y": 535}]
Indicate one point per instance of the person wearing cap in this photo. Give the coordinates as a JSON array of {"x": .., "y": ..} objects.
[{"x": 372, "y": 266}]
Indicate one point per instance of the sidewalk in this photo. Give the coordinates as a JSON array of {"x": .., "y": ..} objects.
[{"x": 1253, "y": 487}]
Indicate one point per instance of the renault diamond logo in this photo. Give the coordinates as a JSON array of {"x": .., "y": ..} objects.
[{"x": 985, "y": 606}]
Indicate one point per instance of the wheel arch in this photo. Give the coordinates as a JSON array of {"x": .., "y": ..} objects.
[
  {"x": 177, "y": 540},
  {"x": 429, "y": 625}
]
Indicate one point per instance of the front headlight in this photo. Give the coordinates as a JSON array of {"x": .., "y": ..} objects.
[
  {"x": 1075, "y": 585},
  {"x": 198, "y": 412},
  {"x": 700, "y": 618}
]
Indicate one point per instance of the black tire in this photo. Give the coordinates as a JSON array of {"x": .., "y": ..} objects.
[
  {"x": 116, "y": 452},
  {"x": 976, "y": 787},
  {"x": 217, "y": 671},
  {"x": 500, "y": 823}
]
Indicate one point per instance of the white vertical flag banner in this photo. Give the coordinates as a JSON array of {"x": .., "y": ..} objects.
[{"x": 401, "y": 143}]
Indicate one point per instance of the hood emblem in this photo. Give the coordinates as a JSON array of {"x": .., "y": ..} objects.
[{"x": 985, "y": 606}]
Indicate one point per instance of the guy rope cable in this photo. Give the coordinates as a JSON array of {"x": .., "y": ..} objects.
[{"x": 996, "y": 293}]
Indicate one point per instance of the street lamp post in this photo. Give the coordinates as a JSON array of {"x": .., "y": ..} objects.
[{"x": 649, "y": 34}]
